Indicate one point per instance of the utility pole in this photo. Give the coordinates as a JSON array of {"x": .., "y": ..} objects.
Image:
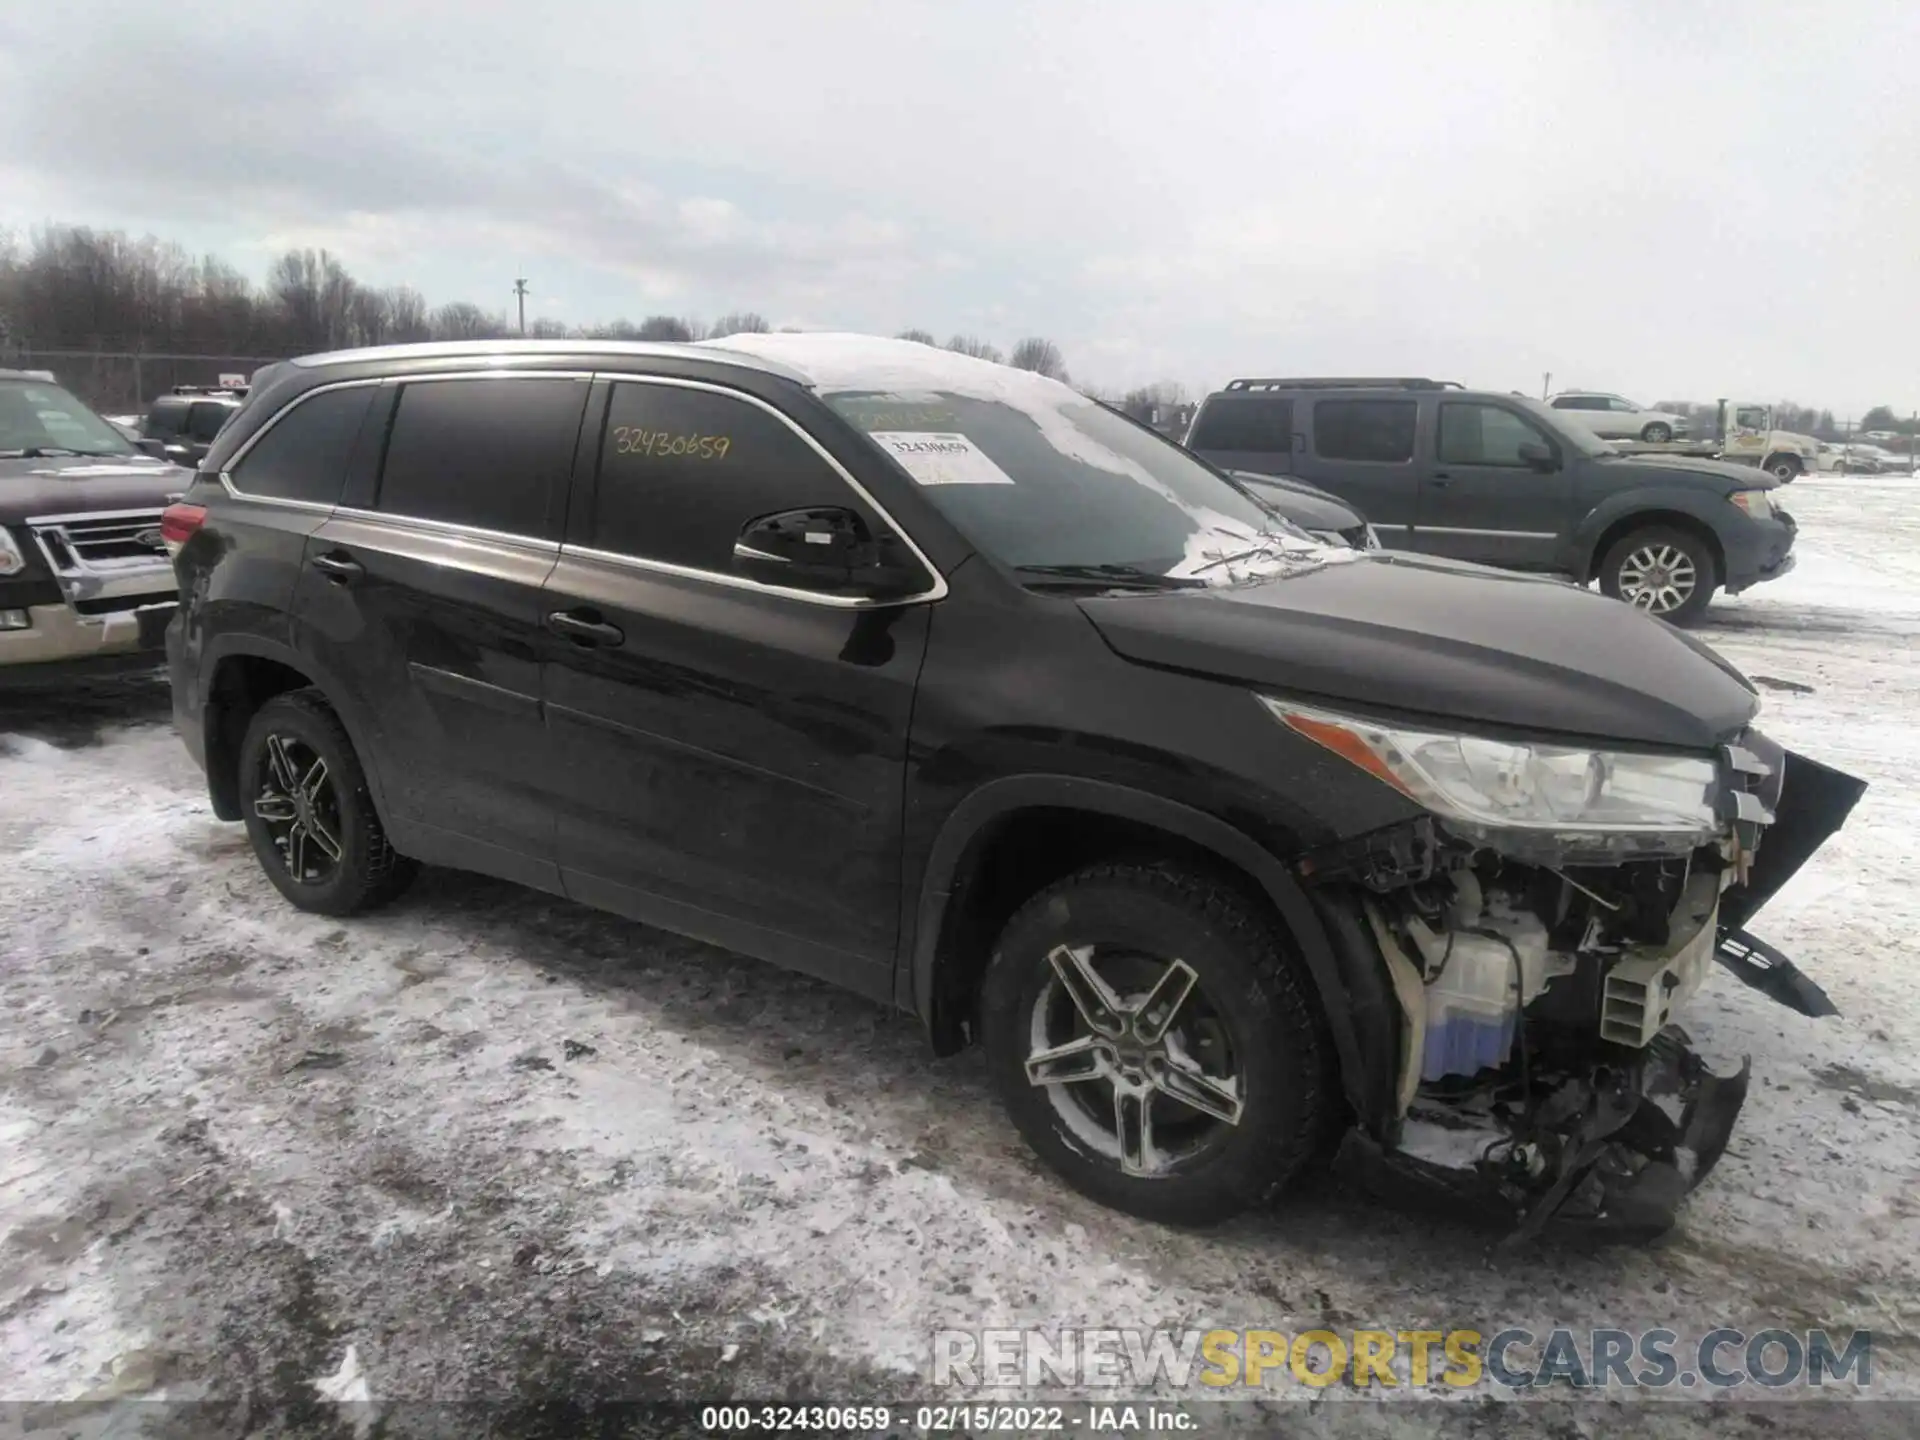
[
  {"x": 1546, "y": 385},
  {"x": 520, "y": 292}
]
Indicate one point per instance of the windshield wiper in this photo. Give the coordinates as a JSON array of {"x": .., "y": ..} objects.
[
  {"x": 1112, "y": 577},
  {"x": 39, "y": 452}
]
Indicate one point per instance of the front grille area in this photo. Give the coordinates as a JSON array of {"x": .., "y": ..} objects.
[{"x": 104, "y": 557}]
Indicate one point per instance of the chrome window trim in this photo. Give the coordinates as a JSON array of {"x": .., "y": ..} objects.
[
  {"x": 1459, "y": 530},
  {"x": 936, "y": 591},
  {"x": 447, "y": 528},
  {"x": 246, "y": 448}
]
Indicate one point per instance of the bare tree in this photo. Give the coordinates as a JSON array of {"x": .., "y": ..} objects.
[
  {"x": 407, "y": 311},
  {"x": 1040, "y": 356},
  {"x": 743, "y": 322},
  {"x": 666, "y": 327},
  {"x": 919, "y": 337},
  {"x": 315, "y": 296},
  {"x": 976, "y": 347},
  {"x": 621, "y": 329},
  {"x": 545, "y": 327},
  {"x": 463, "y": 320}
]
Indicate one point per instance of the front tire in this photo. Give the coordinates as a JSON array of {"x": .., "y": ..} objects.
[
  {"x": 1784, "y": 468},
  {"x": 1657, "y": 433},
  {"x": 1663, "y": 570},
  {"x": 1155, "y": 1039},
  {"x": 309, "y": 812}
]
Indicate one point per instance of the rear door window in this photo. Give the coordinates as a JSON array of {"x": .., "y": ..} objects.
[
  {"x": 1375, "y": 430},
  {"x": 494, "y": 453},
  {"x": 303, "y": 454},
  {"x": 1254, "y": 423}
]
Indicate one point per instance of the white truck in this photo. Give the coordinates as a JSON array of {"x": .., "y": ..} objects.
[{"x": 1745, "y": 433}]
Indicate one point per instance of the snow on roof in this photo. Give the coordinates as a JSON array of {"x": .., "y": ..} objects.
[{"x": 842, "y": 361}]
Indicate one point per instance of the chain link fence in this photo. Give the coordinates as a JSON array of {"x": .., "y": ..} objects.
[{"x": 124, "y": 382}]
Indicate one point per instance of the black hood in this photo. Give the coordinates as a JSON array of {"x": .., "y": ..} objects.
[
  {"x": 76, "y": 484},
  {"x": 1438, "y": 638},
  {"x": 1305, "y": 505}
]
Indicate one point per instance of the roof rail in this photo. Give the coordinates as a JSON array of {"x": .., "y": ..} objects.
[
  {"x": 1363, "y": 383},
  {"x": 234, "y": 390}
]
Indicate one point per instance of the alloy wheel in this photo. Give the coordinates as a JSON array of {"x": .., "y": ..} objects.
[
  {"x": 1658, "y": 578},
  {"x": 301, "y": 810},
  {"x": 1134, "y": 1058}
]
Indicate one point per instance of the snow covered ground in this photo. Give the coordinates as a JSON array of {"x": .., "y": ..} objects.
[{"x": 491, "y": 1145}]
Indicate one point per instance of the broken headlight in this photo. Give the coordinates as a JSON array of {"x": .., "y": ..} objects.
[{"x": 1495, "y": 785}]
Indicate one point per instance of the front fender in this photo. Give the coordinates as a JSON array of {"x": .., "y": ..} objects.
[
  {"x": 1357, "y": 1009},
  {"x": 1650, "y": 502}
]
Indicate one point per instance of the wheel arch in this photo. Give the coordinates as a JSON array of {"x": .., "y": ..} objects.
[
  {"x": 1622, "y": 526},
  {"x": 240, "y": 676},
  {"x": 1008, "y": 817}
]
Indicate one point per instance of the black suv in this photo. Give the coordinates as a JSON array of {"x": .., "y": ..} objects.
[
  {"x": 1504, "y": 480},
  {"x": 180, "y": 426},
  {"x": 942, "y": 682}
]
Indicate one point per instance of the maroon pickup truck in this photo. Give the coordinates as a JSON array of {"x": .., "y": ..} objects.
[{"x": 86, "y": 584}]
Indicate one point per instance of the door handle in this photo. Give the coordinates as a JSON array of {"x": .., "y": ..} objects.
[
  {"x": 1441, "y": 479},
  {"x": 338, "y": 567},
  {"x": 581, "y": 628}
]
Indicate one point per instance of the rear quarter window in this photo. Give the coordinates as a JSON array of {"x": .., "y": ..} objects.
[{"x": 303, "y": 453}]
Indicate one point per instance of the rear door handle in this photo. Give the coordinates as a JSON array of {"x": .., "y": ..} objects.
[
  {"x": 583, "y": 628},
  {"x": 339, "y": 567}
]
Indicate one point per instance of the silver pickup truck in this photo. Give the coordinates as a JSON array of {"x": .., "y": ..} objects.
[{"x": 86, "y": 583}]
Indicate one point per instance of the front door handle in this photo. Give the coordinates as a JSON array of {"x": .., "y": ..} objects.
[
  {"x": 339, "y": 567},
  {"x": 584, "y": 628},
  {"x": 1441, "y": 479}
]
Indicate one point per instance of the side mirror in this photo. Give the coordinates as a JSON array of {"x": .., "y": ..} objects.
[
  {"x": 152, "y": 445},
  {"x": 823, "y": 548},
  {"x": 1536, "y": 456}
]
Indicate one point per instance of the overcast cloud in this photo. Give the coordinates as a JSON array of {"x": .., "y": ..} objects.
[{"x": 1666, "y": 200}]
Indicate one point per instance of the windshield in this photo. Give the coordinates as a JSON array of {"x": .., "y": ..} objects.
[
  {"x": 1574, "y": 437},
  {"x": 1045, "y": 485},
  {"x": 41, "y": 419}
]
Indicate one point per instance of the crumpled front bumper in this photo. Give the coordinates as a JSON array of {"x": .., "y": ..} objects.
[{"x": 1619, "y": 1150}]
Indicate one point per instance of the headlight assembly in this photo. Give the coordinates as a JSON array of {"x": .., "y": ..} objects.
[
  {"x": 1757, "y": 503},
  {"x": 1504, "y": 785},
  {"x": 12, "y": 562}
]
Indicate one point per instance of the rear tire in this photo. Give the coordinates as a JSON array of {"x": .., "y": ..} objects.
[
  {"x": 1663, "y": 570},
  {"x": 1657, "y": 433},
  {"x": 1244, "y": 1038},
  {"x": 309, "y": 812}
]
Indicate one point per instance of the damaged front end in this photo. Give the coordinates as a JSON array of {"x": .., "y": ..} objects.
[{"x": 1535, "y": 972}]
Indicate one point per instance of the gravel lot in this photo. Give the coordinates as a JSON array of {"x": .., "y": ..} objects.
[{"x": 490, "y": 1145}]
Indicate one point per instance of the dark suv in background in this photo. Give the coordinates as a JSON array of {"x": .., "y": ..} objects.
[
  {"x": 942, "y": 682},
  {"x": 1504, "y": 480},
  {"x": 179, "y": 426}
]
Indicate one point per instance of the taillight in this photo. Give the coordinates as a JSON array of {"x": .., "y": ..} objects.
[{"x": 179, "y": 524}]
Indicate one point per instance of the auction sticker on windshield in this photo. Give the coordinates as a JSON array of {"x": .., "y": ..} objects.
[{"x": 941, "y": 458}]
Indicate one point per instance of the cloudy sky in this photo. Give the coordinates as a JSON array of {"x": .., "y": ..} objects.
[{"x": 1693, "y": 199}]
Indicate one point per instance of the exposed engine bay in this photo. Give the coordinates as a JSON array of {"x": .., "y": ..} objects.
[{"x": 1542, "y": 1076}]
